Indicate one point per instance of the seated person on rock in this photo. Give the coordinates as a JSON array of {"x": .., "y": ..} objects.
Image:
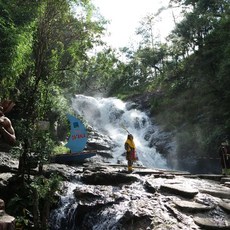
[{"x": 7, "y": 133}]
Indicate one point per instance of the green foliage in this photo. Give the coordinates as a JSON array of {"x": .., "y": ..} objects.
[
  {"x": 96, "y": 73},
  {"x": 43, "y": 45},
  {"x": 60, "y": 149},
  {"x": 47, "y": 47},
  {"x": 16, "y": 42},
  {"x": 34, "y": 145},
  {"x": 37, "y": 195},
  {"x": 16, "y": 205},
  {"x": 43, "y": 195},
  {"x": 188, "y": 77},
  {"x": 42, "y": 145},
  {"x": 46, "y": 188},
  {"x": 194, "y": 93}
]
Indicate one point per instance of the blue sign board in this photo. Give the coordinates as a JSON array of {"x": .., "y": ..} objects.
[{"x": 78, "y": 135}]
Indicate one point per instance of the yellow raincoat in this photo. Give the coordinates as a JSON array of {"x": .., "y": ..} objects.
[{"x": 131, "y": 149}]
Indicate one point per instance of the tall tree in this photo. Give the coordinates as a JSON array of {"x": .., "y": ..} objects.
[{"x": 16, "y": 31}]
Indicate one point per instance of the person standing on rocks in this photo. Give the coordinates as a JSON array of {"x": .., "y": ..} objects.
[
  {"x": 224, "y": 152},
  {"x": 7, "y": 133},
  {"x": 130, "y": 152}
]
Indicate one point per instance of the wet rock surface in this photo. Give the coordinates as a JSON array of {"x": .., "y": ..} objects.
[
  {"x": 8, "y": 163},
  {"x": 107, "y": 197}
]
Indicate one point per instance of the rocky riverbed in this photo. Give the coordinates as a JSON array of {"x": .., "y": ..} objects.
[
  {"x": 107, "y": 197},
  {"x": 104, "y": 196}
]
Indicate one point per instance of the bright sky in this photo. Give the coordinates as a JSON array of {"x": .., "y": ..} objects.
[{"x": 125, "y": 15}]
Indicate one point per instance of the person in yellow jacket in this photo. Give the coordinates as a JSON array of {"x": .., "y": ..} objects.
[{"x": 130, "y": 152}]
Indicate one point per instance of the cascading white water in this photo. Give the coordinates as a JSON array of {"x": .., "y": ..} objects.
[
  {"x": 63, "y": 216},
  {"x": 112, "y": 116}
]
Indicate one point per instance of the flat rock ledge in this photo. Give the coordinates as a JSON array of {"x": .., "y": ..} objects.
[
  {"x": 179, "y": 190},
  {"x": 145, "y": 199},
  {"x": 192, "y": 207},
  {"x": 225, "y": 206},
  {"x": 208, "y": 223},
  {"x": 217, "y": 193},
  {"x": 151, "y": 199}
]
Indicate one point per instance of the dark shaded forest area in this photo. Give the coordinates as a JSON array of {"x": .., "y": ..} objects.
[{"x": 48, "y": 55}]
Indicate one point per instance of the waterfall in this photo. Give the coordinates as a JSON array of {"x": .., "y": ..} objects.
[
  {"x": 63, "y": 216},
  {"x": 111, "y": 117},
  {"x": 116, "y": 118}
]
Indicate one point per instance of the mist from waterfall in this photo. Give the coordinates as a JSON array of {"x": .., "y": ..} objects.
[{"x": 114, "y": 118}]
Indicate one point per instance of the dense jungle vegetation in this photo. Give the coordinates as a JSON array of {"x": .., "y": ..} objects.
[{"x": 53, "y": 49}]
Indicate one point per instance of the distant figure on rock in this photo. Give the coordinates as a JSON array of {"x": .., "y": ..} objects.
[
  {"x": 224, "y": 152},
  {"x": 130, "y": 152},
  {"x": 7, "y": 133}
]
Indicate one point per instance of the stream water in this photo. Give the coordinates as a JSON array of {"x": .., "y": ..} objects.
[
  {"x": 63, "y": 216},
  {"x": 116, "y": 118}
]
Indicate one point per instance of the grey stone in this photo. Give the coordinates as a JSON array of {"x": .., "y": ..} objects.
[
  {"x": 225, "y": 206},
  {"x": 225, "y": 193},
  {"x": 191, "y": 206},
  {"x": 179, "y": 189},
  {"x": 208, "y": 223},
  {"x": 216, "y": 177}
]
